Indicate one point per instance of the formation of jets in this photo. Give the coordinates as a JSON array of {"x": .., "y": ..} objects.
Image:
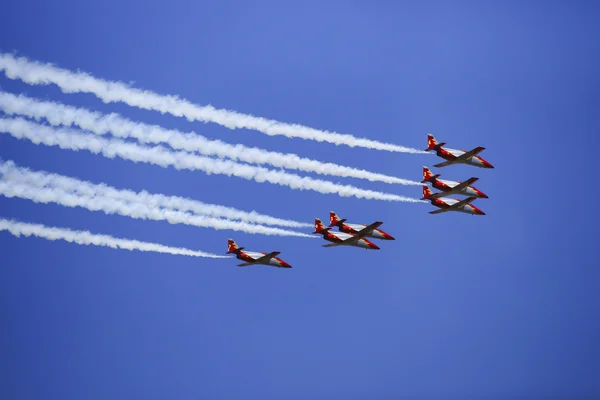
[
  {"x": 347, "y": 235},
  {"x": 448, "y": 188},
  {"x": 358, "y": 235}
]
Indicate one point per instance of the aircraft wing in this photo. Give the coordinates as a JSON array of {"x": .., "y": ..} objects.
[
  {"x": 464, "y": 184},
  {"x": 267, "y": 257},
  {"x": 461, "y": 203},
  {"x": 455, "y": 190},
  {"x": 445, "y": 164},
  {"x": 367, "y": 230},
  {"x": 469, "y": 154},
  {"x": 332, "y": 244},
  {"x": 454, "y": 206},
  {"x": 245, "y": 264},
  {"x": 362, "y": 233},
  {"x": 439, "y": 211}
]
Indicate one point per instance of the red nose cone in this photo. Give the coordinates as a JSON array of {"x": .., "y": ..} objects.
[
  {"x": 487, "y": 164},
  {"x": 483, "y": 195},
  {"x": 387, "y": 236},
  {"x": 373, "y": 246}
]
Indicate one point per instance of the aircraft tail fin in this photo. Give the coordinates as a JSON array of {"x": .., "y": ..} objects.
[
  {"x": 427, "y": 193},
  {"x": 232, "y": 247},
  {"x": 432, "y": 144},
  {"x": 319, "y": 227},
  {"x": 334, "y": 219},
  {"x": 428, "y": 176}
]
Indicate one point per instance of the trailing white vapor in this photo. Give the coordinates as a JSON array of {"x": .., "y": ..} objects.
[
  {"x": 36, "y": 73},
  {"x": 101, "y": 124},
  {"x": 45, "y": 179},
  {"x": 134, "y": 210},
  {"x": 158, "y": 155},
  {"x": 87, "y": 238},
  {"x": 9, "y": 172}
]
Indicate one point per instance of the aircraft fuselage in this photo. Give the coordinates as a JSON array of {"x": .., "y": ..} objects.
[
  {"x": 355, "y": 228},
  {"x": 452, "y": 154},
  {"x": 447, "y": 203},
  {"x": 252, "y": 256},
  {"x": 447, "y": 186},
  {"x": 338, "y": 237}
]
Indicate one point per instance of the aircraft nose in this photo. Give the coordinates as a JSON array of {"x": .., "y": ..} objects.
[{"x": 484, "y": 196}]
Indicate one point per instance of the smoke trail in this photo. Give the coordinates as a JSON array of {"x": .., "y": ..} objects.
[
  {"x": 131, "y": 209},
  {"x": 86, "y": 238},
  {"x": 60, "y": 114},
  {"x": 36, "y": 73},
  {"x": 74, "y": 140},
  {"x": 45, "y": 179}
]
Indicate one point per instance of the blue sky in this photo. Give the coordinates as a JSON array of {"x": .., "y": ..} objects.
[{"x": 498, "y": 306}]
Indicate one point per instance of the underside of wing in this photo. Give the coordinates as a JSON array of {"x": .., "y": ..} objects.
[
  {"x": 332, "y": 244},
  {"x": 438, "y": 211},
  {"x": 444, "y": 164},
  {"x": 245, "y": 264}
]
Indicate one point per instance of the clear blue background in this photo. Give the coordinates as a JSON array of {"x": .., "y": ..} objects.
[{"x": 499, "y": 306}]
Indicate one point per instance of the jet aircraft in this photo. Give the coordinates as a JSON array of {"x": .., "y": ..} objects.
[
  {"x": 456, "y": 156},
  {"x": 446, "y": 204},
  {"x": 334, "y": 220},
  {"x": 347, "y": 239},
  {"x": 254, "y": 258},
  {"x": 451, "y": 187}
]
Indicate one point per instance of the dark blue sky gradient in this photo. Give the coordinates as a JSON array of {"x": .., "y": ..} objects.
[{"x": 499, "y": 306}]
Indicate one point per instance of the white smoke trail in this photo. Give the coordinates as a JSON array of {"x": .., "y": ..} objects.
[
  {"x": 74, "y": 140},
  {"x": 60, "y": 114},
  {"x": 45, "y": 179},
  {"x": 134, "y": 210},
  {"x": 36, "y": 73},
  {"x": 87, "y": 238}
]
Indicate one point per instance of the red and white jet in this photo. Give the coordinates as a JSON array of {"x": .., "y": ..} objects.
[
  {"x": 451, "y": 187},
  {"x": 253, "y": 258},
  {"x": 456, "y": 156},
  {"x": 334, "y": 220},
  {"x": 446, "y": 204},
  {"x": 347, "y": 239}
]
